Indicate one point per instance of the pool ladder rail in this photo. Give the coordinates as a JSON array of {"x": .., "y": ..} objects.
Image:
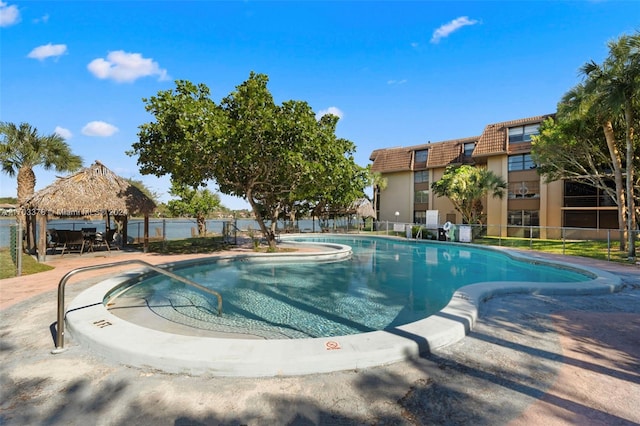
[{"x": 63, "y": 282}]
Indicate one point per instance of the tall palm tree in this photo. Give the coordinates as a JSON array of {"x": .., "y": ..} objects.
[
  {"x": 617, "y": 81},
  {"x": 379, "y": 184},
  {"x": 22, "y": 149},
  {"x": 466, "y": 186}
]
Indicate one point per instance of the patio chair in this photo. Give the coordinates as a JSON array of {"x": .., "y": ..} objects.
[
  {"x": 106, "y": 239},
  {"x": 71, "y": 241},
  {"x": 53, "y": 240}
]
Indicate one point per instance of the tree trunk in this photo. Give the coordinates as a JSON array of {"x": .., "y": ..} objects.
[
  {"x": 269, "y": 234},
  {"x": 375, "y": 200},
  {"x": 631, "y": 209},
  {"x": 202, "y": 225},
  {"x": 609, "y": 136},
  {"x": 26, "y": 184}
]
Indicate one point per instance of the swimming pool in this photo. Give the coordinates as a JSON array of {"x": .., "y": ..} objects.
[
  {"x": 384, "y": 284},
  {"x": 378, "y": 340}
]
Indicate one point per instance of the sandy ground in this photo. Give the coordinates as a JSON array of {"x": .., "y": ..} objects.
[{"x": 530, "y": 360}]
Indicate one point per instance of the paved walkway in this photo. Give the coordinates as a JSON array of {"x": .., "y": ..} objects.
[{"x": 529, "y": 360}]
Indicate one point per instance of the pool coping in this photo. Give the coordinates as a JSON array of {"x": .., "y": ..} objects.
[{"x": 92, "y": 325}]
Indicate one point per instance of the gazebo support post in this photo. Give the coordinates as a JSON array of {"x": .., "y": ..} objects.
[
  {"x": 146, "y": 233},
  {"x": 42, "y": 238},
  {"x": 123, "y": 226}
]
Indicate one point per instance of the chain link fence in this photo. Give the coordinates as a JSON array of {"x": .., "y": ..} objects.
[{"x": 11, "y": 243}]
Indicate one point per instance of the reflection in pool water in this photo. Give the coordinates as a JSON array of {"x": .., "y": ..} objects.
[{"x": 386, "y": 283}]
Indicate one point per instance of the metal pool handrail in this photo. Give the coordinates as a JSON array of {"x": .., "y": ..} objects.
[{"x": 63, "y": 281}]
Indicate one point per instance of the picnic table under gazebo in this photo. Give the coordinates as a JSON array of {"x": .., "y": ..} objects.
[{"x": 92, "y": 191}]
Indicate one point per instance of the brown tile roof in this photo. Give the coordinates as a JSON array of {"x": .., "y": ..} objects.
[
  {"x": 445, "y": 153},
  {"x": 441, "y": 154},
  {"x": 494, "y": 137},
  {"x": 390, "y": 160}
]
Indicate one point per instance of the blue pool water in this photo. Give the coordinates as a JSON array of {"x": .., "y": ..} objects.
[{"x": 386, "y": 283}]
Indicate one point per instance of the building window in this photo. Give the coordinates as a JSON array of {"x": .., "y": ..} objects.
[
  {"x": 523, "y": 133},
  {"x": 599, "y": 219},
  {"x": 420, "y": 217},
  {"x": 468, "y": 148},
  {"x": 524, "y": 189},
  {"x": 521, "y": 162},
  {"x": 523, "y": 218},
  {"x": 421, "y": 176},
  {"x": 421, "y": 156},
  {"x": 421, "y": 197},
  {"x": 578, "y": 194}
]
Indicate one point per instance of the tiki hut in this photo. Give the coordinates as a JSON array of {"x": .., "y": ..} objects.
[
  {"x": 358, "y": 209},
  {"x": 362, "y": 208},
  {"x": 93, "y": 191}
]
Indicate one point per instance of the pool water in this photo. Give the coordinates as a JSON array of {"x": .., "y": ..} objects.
[{"x": 386, "y": 283}]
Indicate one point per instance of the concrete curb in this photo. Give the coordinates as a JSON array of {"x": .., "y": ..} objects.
[{"x": 91, "y": 324}]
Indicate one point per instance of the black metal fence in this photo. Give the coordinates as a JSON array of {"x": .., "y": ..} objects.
[{"x": 600, "y": 243}]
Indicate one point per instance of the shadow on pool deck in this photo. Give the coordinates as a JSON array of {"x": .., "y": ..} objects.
[{"x": 529, "y": 360}]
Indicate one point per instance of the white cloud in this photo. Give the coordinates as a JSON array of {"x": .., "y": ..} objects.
[
  {"x": 331, "y": 110},
  {"x": 392, "y": 82},
  {"x": 450, "y": 27},
  {"x": 47, "y": 50},
  {"x": 125, "y": 67},
  {"x": 415, "y": 44},
  {"x": 99, "y": 128},
  {"x": 9, "y": 15},
  {"x": 61, "y": 131},
  {"x": 44, "y": 19}
]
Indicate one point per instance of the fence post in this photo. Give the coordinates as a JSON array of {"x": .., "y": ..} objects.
[
  {"x": 19, "y": 251},
  {"x": 530, "y": 237},
  {"x": 609, "y": 244},
  {"x": 563, "y": 239},
  {"x": 164, "y": 233}
]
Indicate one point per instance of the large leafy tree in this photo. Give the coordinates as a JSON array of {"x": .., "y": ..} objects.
[
  {"x": 582, "y": 144},
  {"x": 466, "y": 186},
  {"x": 271, "y": 155},
  {"x": 22, "y": 149},
  {"x": 197, "y": 203},
  {"x": 593, "y": 138},
  {"x": 616, "y": 83}
]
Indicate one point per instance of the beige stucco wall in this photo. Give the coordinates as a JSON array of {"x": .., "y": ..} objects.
[
  {"x": 496, "y": 208},
  {"x": 551, "y": 207},
  {"x": 397, "y": 197}
]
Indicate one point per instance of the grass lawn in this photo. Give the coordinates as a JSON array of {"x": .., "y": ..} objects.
[
  {"x": 590, "y": 249},
  {"x": 29, "y": 265}
]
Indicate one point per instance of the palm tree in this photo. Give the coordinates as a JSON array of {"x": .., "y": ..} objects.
[
  {"x": 466, "y": 186},
  {"x": 379, "y": 184},
  {"x": 617, "y": 81},
  {"x": 22, "y": 149}
]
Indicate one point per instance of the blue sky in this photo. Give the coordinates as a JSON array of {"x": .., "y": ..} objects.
[{"x": 397, "y": 73}]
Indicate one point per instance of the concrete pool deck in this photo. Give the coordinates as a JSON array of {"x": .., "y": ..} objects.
[{"x": 531, "y": 359}]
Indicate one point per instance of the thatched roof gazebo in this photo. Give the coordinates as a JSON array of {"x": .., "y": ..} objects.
[
  {"x": 92, "y": 191},
  {"x": 362, "y": 208}
]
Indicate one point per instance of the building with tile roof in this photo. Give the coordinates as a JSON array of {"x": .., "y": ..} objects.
[{"x": 503, "y": 148}]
